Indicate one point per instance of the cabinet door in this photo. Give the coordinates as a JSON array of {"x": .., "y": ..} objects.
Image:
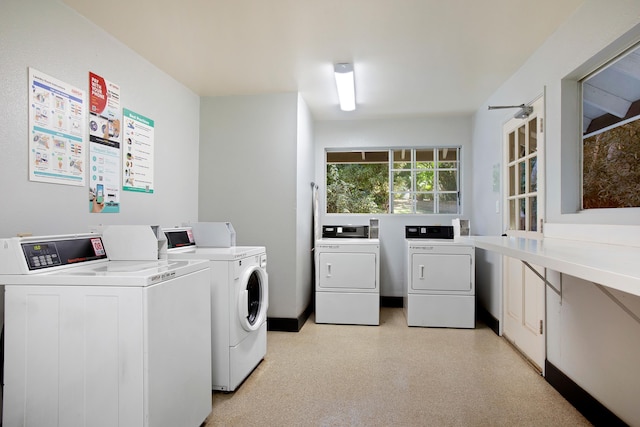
[
  {"x": 73, "y": 353},
  {"x": 524, "y": 309},
  {"x": 441, "y": 272},
  {"x": 344, "y": 270}
]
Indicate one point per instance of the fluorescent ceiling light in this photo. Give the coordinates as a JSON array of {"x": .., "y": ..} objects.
[{"x": 345, "y": 83}]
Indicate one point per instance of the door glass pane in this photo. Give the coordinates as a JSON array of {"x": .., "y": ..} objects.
[
  {"x": 512, "y": 214},
  {"x": 533, "y": 213},
  {"x": 425, "y": 203},
  {"x": 402, "y": 202},
  {"x": 522, "y": 214},
  {"x": 447, "y": 181},
  {"x": 512, "y": 180},
  {"x": 533, "y": 174},
  {"x": 448, "y": 203},
  {"x": 512, "y": 147},
  {"x": 522, "y": 177},
  {"x": 533, "y": 135},
  {"x": 521, "y": 142}
]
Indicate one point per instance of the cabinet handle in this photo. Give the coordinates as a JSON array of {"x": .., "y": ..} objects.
[
  {"x": 422, "y": 272},
  {"x": 328, "y": 270}
]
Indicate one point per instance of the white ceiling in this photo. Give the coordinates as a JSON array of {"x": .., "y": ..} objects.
[{"x": 411, "y": 57}]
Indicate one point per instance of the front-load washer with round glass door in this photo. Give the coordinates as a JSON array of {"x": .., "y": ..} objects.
[
  {"x": 239, "y": 302},
  {"x": 86, "y": 338}
]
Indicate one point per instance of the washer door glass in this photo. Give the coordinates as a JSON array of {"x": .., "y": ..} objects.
[
  {"x": 252, "y": 304},
  {"x": 254, "y": 299}
]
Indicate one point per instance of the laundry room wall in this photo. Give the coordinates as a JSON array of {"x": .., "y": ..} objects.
[
  {"x": 389, "y": 133},
  {"x": 255, "y": 172},
  {"x": 589, "y": 337},
  {"x": 55, "y": 40}
]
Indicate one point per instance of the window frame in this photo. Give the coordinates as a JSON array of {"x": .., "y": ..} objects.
[{"x": 413, "y": 193}]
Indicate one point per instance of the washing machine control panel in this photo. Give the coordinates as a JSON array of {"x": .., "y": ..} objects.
[{"x": 54, "y": 253}]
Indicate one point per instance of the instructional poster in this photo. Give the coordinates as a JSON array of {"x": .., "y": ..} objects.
[
  {"x": 105, "y": 135},
  {"x": 137, "y": 161},
  {"x": 56, "y": 131}
]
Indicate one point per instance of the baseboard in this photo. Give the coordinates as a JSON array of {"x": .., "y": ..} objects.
[
  {"x": 283, "y": 324},
  {"x": 586, "y": 404},
  {"x": 391, "y": 301},
  {"x": 488, "y": 319}
]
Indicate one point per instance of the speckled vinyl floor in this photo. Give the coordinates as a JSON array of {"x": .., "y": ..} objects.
[{"x": 392, "y": 375}]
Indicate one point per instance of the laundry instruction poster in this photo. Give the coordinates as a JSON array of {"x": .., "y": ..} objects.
[
  {"x": 137, "y": 158},
  {"x": 57, "y": 114},
  {"x": 105, "y": 136}
]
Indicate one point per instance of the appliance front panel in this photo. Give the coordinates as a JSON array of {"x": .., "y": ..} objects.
[
  {"x": 440, "y": 272},
  {"x": 346, "y": 270}
]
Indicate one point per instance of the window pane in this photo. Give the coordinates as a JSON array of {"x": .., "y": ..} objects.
[
  {"x": 358, "y": 157},
  {"x": 425, "y": 159},
  {"x": 522, "y": 177},
  {"x": 425, "y": 203},
  {"x": 448, "y": 203},
  {"x": 402, "y": 159},
  {"x": 402, "y": 203},
  {"x": 424, "y": 180},
  {"x": 447, "y": 181},
  {"x": 522, "y": 215},
  {"x": 357, "y": 188},
  {"x": 447, "y": 158},
  {"x": 402, "y": 181}
]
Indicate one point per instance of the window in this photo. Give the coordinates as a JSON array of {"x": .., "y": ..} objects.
[
  {"x": 611, "y": 134},
  {"x": 400, "y": 181}
]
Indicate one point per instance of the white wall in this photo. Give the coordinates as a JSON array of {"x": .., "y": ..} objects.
[
  {"x": 55, "y": 40},
  {"x": 249, "y": 176},
  {"x": 589, "y": 337},
  {"x": 410, "y": 133},
  {"x": 304, "y": 209}
]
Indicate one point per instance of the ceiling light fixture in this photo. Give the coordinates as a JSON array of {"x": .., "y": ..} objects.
[{"x": 345, "y": 82}]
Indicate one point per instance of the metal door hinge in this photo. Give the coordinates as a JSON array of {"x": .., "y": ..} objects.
[
  {"x": 541, "y": 125},
  {"x": 541, "y": 327}
]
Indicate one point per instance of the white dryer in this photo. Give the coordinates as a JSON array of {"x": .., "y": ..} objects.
[
  {"x": 439, "y": 286},
  {"x": 347, "y": 276},
  {"x": 122, "y": 343},
  {"x": 239, "y": 302}
]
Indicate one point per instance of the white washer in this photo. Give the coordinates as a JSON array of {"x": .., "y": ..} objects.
[
  {"x": 121, "y": 343},
  {"x": 239, "y": 302},
  {"x": 347, "y": 279},
  {"x": 440, "y": 283}
]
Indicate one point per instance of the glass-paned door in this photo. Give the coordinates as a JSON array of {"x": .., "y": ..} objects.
[{"x": 523, "y": 139}]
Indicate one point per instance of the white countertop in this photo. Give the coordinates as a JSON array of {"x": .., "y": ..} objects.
[{"x": 613, "y": 266}]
